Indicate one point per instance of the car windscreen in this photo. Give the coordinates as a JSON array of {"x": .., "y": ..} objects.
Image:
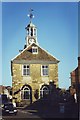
[{"x": 9, "y": 106}]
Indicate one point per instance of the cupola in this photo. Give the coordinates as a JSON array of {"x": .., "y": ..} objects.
[{"x": 31, "y": 31}]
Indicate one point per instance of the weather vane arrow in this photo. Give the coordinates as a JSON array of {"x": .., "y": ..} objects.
[{"x": 30, "y": 15}]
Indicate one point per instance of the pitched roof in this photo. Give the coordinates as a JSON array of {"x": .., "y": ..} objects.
[
  {"x": 74, "y": 72},
  {"x": 42, "y": 55}
]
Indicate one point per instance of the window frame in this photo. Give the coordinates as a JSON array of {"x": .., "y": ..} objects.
[
  {"x": 26, "y": 70},
  {"x": 42, "y": 91},
  {"x": 42, "y": 74},
  {"x": 22, "y": 93},
  {"x": 34, "y": 48}
]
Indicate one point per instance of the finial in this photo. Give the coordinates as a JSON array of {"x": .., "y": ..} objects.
[{"x": 30, "y": 15}]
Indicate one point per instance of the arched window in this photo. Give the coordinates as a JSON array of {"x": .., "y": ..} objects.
[
  {"x": 25, "y": 93},
  {"x": 44, "y": 91}
]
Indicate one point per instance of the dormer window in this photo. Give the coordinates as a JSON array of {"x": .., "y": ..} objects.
[{"x": 35, "y": 50}]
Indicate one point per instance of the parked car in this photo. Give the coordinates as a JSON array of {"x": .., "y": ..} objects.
[
  {"x": 9, "y": 108},
  {"x": 3, "y": 99}
]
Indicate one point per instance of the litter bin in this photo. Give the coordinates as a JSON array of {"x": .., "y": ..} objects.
[{"x": 61, "y": 107}]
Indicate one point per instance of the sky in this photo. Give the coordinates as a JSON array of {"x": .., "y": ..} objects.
[
  {"x": 39, "y": 0},
  {"x": 57, "y": 25},
  {"x": 0, "y": 42},
  {"x": 79, "y": 29}
]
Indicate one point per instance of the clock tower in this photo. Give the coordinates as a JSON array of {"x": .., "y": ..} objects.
[{"x": 31, "y": 30}]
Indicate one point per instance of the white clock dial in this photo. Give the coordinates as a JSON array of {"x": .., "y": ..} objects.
[{"x": 31, "y": 41}]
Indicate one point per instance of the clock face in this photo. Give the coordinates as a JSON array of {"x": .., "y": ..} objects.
[{"x": 31, "y": 40}]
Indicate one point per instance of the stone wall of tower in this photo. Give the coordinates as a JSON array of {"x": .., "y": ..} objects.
[{"x": 35, "y": 80}]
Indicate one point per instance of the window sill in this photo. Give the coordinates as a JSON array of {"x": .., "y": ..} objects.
[
  {"x": 26, "y": 76},
  {"x": 44, "y": 75}
]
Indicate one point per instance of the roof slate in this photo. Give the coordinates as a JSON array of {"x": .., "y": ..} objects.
[{"x": 42, "y": 55}]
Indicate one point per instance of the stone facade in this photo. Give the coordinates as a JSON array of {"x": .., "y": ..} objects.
[{"x": 35, "y": 80}]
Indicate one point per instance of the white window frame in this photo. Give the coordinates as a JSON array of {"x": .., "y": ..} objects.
[
  {"x": 42, "y": 90},
  {"x": 36, "y": 50},
  {"x": 22, "y": 93},
  {"x": 26, "y": 70},
  {"x": 44, "y": 68}
]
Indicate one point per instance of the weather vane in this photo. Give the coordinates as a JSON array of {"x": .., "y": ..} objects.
[{"x": 30, "y": 15}]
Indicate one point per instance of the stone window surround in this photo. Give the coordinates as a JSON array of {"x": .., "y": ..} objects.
[
  {"x": 27, "y": 69},
  {"x": 43, "y": 68}
]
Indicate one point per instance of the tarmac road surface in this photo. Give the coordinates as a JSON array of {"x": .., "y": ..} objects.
[{"x": 21, "y": 114}]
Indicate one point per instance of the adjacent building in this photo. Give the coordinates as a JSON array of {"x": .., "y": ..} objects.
[
  {"x": 75, "y": 79},
  {"x": 32, "y": 69},
  {"x": 6, "y": 90}
]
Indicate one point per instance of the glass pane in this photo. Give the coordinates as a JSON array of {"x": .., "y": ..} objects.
[
  {"x": 24, "y": 66},
  {"x": 45, "y": 93},
  {"x": 41, "y": 93},
  {"x": 45, "y": 88},
  {"x": 28, "y": 72},
  {"x": 34, "y": 50},
  {"x": 42, "y": 72},
  {"x": 27, "y": 66},
  {"x": 42, "y": 66},
  {"x": 45, "y": 66},
  {"x": 21, "y": 94},
  {"x": 26, "y": 95},
  {"x": 45, "y": 72},
  {"x": 24, "y": 71},
  {"x": 26, "y": 89}
]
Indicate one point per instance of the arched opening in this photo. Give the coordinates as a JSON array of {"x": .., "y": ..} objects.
[
  {"x": 26, "y": 93},
  {"x": 44, "y": 91}
]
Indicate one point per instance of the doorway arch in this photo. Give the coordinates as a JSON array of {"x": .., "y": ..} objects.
[
  {"x": 26, "y": 93},
  {"x": 44, "y": 91}
]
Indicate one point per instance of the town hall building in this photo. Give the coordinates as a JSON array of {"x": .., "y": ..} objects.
[{"x": 32, "y": 69}]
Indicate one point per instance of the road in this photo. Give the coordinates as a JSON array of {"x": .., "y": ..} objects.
[
  {"x": 21, "y": 114},
  {"x": 45, "y": 112}
]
